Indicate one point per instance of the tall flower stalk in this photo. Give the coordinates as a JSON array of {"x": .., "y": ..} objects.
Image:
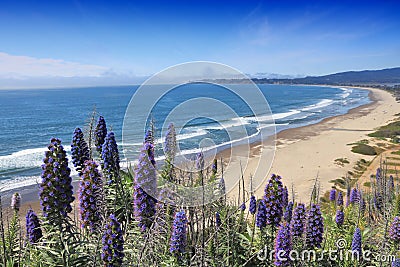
[
  {"x": 170, "y": 143},
  {"x": 90, "y": 196},
  {"x": 100, "y": 134},
  {"x": 145, "y": 187},
  {"x": 274, "y": 200},
  {"x": 33, "y": 230},
  {"x": 56, "y": 192},
  {"x": 110, "y": 159},
  {"x": 314, "y": 227},
  {"x": 283, "y": 246},
  {"x": 113, "y": 243},
  {"x": 298, "y": 221},
  {"x": 79, "y": 150},
  {"x": 178, "y": 237}
]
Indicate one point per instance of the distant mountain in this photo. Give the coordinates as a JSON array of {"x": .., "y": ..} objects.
[
  {"x": 377, "y": 77},
  {"x": 267, "y": 75}
]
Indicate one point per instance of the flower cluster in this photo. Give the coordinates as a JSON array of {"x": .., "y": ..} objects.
[
  {"x": 339, "y": 219},
  {"x": 149, "y": 147},
  {"x": 218, "y": 219},
  {"x": 178, "y": 238},
  {"x": 332, "y": 195},
  {"x": 113, "y": 243},
  {"x": 378, "y": 175},
  {"x": 16, "y": 201},
  {"x": 355, "y": 196},
  {"x": 200, "y": 161},
  {"x": 356, "y": 243},
  {"x": 56, "y": 194},
  {"x": 214, "y": 167},
  {"x": 33, "y": 231},
  {"x": 287, "y": 215},
  {"x": 314, "y": 227},
  {"x": 339, "y": 200},
  {"x": 298, "y": 220},
  {"x": 274, "y": 200},
  {"x": 170, "y": 143},
  {"x": 253, "y": 205},
  {"x": 394, "y": 231},
  {"x": 90, "y": 196},
  {"x": 396, "y": 263},
  {"x": 110, "y": 157},
  {"x": 261, "y": 217},
  {"x": 283, "y": 246},
  {"x": 100, "y": 134},
  {"x": 79, "y": 150},
  {"x": 149, "y": 137},
  {"x": 145, "y": 183},
  {"x": 242, "y": 206}
]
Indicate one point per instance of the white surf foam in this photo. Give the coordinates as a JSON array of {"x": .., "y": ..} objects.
[{"x": 321, "y": 104}]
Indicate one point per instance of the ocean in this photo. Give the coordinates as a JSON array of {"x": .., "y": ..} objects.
[{"x": 30, "y": 118}]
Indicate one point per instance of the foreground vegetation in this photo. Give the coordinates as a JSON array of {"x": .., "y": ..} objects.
[{"x": 122, "y": 223}]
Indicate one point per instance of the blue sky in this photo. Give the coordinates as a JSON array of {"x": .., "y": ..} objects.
[{"x": 117, "y": 40}]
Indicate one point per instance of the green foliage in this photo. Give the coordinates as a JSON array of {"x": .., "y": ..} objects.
[
  {"x": 388, "y": 131},
  {"x": 364, "y": 149}
]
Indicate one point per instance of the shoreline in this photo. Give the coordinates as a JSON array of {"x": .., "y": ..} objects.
[
  {"x": 285, "y": 141},
  {"x": 304, "y": 153}
]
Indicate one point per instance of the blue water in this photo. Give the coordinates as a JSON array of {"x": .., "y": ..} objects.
[{"x": 30, "y": 118}]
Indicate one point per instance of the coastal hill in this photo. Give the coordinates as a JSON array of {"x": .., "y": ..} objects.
[
  {"x": 376, "y": 78},
  {"x": 384, "y": 76}
]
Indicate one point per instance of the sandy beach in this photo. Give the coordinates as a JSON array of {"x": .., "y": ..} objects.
[{"x": 304, "y": 153}]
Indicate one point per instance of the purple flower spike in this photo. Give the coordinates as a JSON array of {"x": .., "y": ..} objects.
[
  {"x": 391, "y": 183},
  {"x": 90, "y": 196},
  {"x": 242, "y": 206},
  {"x": 214, "y": 167},
  {"x": 355, "y": 196},
  {"x": 261, "y": 218},
  {"x": 113, "y": 243},
  {"x": 178, "y": 237},
  {"x": 283, "y": 246},
  {"x": 79, "y": 150},
  {"x": 253, "y": 205},
  {"x": 56, "y": 192},
  {"x": 33, "y": 231},
  {"x": 16, "y": 201},
  {"x": 218, "y": 219},
  {"x": 285, "y": 197},
  {"x": 149, "y": 137},
  {"x": 287, "y": 215},
  {"x": 378, "y": 175},
  {"x": 273, "y": 199},
  {"x": 339, "y": 200},
  {"x": 200, "y": 161},
  {"x": 149, "y": 147},
  {"x": 110, "y": 158},
  {"x": 298, "y": 221},
  {"x": 356, "y": 243},
  {"x": 396, "y": 263},
  {"x": 339, "y": 218},
  {"x": 170, "y": 143},
  {"x": 332, "y": 195},
  {"x": 100, "y": 134},
  {"x": 144, "y": 204},
  {"x": 394, "y": 230},
  {"x": 314, "y": 227}
]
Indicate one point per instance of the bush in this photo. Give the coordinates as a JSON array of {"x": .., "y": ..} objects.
[{"x": 364, "y": 150}]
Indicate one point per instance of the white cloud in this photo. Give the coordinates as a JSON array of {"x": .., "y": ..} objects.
[{"x": 12, "y": 66}]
